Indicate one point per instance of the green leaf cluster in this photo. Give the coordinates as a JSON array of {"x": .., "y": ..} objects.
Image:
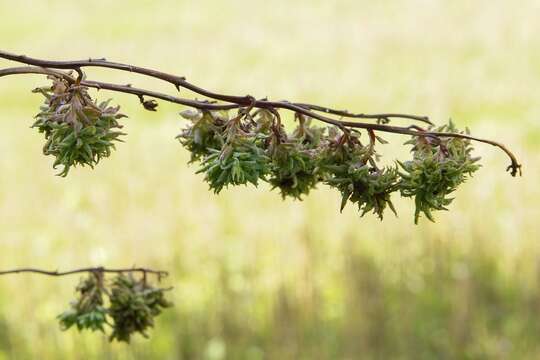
[
  {"x": 87, "y": 311},
  {"x": 438, "y": 167},
  {"x": 205, "y": 133},
  {"x": 350, "y": 168},
  {"x": 229, "y": 153},
  {"x": 294, "y": 168},
  {"x": 367, "y": 187},
  {"x": 232, "y": 152},
  {"x": 78, "y": 131},
  {"x": 131, "y": 307},
  {"x": 236, "y": 164},
  {"x": 252, "y": 148}
]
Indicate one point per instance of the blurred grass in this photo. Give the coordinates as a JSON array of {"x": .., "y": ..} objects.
[{"x": 256, "y": 277}]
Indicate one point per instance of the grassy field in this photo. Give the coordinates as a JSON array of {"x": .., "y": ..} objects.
[{"x": 256, "y": 277}]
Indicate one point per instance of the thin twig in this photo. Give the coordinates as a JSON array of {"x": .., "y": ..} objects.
[
  {"x": 98, "y": 269},
  {"x": 345, "y": 113},
  {"x": 118, "y": 88},
  {"x": 180, "y": 81},
  {"x": 239, "y": 102}
]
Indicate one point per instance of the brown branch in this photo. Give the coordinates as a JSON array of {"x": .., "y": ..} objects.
[
  {"x": 304, "y": 109},
  {"x": 203, "y": 105},
  {"x": 100, "y": 269},
  {"x": 345, "y": 113},
  {"x": 180, "y": 81},
  {"x": 261, "y": 104}
]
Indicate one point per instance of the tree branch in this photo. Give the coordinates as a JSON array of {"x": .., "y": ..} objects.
[
  {"x": 180, "y": 81},
  {"x": 236, "y": 102},
  {"x": 128, "y": 89},
  {"x": 100, "y": 269}
]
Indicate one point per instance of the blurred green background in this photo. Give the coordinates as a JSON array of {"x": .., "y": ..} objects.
[{"x": 256, "y": 277}]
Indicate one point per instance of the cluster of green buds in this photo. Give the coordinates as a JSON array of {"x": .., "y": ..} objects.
[
  {"x": 131, "y": 306},
  {"x": 253, "y": 146},
  {"x": 351, "y": 168},
  {"x": 294, "y": 167},
  {"x": 78, "y": 130},
  {"x": 87, "y": 311},
  {"x": 249, "y": 148},
  {"x": 229, "y": 152},
  {"x": 438, "y": 167}
]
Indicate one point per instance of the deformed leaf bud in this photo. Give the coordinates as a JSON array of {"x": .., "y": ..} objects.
[
  {"x": 132, "y": 305},
  {"x": 78, "y": 131},
  {"x": 249, "y": 148}
]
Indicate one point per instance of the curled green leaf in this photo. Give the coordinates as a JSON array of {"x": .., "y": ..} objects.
[{"x": 77, "y": 130}]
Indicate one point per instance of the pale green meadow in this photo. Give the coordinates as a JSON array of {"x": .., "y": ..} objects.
[{"x": 256, "y": 277}]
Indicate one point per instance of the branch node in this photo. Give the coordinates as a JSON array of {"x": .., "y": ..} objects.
[{"x": 150, "y": 105}]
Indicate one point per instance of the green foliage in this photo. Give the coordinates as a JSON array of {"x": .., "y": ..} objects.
[
  {"x": 205, "y": 134},
  {"x": 294, "y": 169},
  {"x": 249, "y": 148},
  {"x": 132, "y": 306},
  {"x": 236, "y": 164},
  {"x": 253, "y": 147},
  {"x": 78, "y": 131},
  {"x": 367, "y": 187},
  {"x": 438, "y": 167},
  {"x": 87, "y": 311},
  {"x": 350, "y": 168},
  {"x": 230, "y": 154}
]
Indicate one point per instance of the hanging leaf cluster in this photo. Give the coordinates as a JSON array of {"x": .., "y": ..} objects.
[
  {"x": 78, "y": 130},
  {"x": 253, "y": 148},
  {"x": 87, "y": 311},
  {"x": 438, "y": 167},
  {"x": 126, "y": 304}
]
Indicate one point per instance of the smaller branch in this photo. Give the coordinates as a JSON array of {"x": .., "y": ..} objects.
[
  {"x": 36, "y": 70},
  {"x": 128, "y": 89},
  {"x": 202, "y": 105},
  {"x": 99, "y": 269},
  {"x": 180, "y": 81},
  {"x": 514, "y": 167},
  {"x": 345, "y": 113}
]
